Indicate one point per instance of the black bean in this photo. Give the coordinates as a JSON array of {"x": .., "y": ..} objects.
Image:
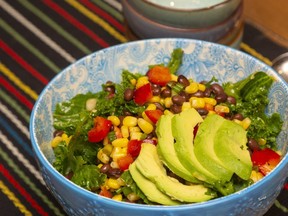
[
  {"x": 183, "y": 80},
  {"x": 207, "y": 92},
  {"x": 253, "y": 144},
  {"x": 185, "y": 95},
  {"x": 156, "y": 89},
  {"x": 166, "y": 93},
  {"x": 198, "y": 94},
  {"x": 178, "y": 99},
  {"x": 127, "y": 113},
  {"x": 128, "y": 94},
  {"x": 175, "y": 108},
  {"x": 221, "y": 98},
  {"x": 202, "y": 111},
  {"x": 231, "y": 100},
  {"x": 114, "y": 173},
  {"x": 105, "y": 168},
  {"x": 58, "y": 133},
  {"x": 217, "y": 89},
  {"x": 238, "y": 116},
  {"x": 159, "y": 106}
]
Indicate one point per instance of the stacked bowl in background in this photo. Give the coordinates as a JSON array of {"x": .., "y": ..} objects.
[{"x": 218, "y": 21}]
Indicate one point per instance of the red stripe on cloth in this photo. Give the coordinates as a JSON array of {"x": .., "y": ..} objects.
[
  {"x": 16, "y": 93},
  {"x": 23, "y": 63},
  {"x": 103, "y": 14},
  {"x": 22, "y": 191},
  {"x": 76, "y": 23}
]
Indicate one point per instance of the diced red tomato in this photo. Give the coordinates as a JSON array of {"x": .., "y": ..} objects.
[
  {"x": 104, "y": 192},
  {"x": 124, "y": 162},
  {"x": 209, "y": 107},
  {"x": 286, "y": 186},
  {"x": 100, "y": 130},
  {"x": 159, "y": 75},
  {"x": 266, "y": 160},
  {"x": 154, "y": 115},
  {"x": 134, "y": 147},
  {"x": 143, "y": 94}
]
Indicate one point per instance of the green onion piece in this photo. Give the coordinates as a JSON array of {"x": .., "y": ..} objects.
[
  {"x": 112, "y": 136},
  {"x": 176, "y": 87}
]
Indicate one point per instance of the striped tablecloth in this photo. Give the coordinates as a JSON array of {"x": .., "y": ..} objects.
[{"x": 38, "y": 38}]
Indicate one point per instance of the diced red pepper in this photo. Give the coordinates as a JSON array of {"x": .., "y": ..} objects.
[
  {"x": 124, "y": 162},
  {"x": 159, "y": 75},
  {"x": 266, "y": 160},
  {"x": 143, "y": 94},
  {"x": 100, "y": 130},
  {"x": 134, "y": 147},
  {"x": 154, "y": 115},
  {"x": 104, "y": 192}
]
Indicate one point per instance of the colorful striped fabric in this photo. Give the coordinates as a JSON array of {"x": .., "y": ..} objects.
[{"x": 38, "y": 39}]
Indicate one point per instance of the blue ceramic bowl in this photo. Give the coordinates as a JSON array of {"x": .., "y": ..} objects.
[{"x": 202, "y": 60}]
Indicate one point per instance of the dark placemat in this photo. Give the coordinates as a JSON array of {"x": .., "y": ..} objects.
[{"x": 38, "y": 39}]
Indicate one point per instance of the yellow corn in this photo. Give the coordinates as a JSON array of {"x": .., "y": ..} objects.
[
  {"x": 113, "y": 183},
  {"x": 155, "y": 99},
  {"x": 117, "y": 197},
  {"x": 168, "y": 112},
  {"x": 107, "y": 149},
  {"x": 192, "y": 88},
  {"x": 144, "y": 116},
  {"x": 118, "y": 152},
  {"x": 211, "y": 101},
  {"x": 120, "y": 142},
  {"x": 221, "y": 109},
  {"x": 133, "y": 82},
  {"x": 174, "y": 77},
  {"x": 238, "y": 121},
  {"x": 106, "y": 141},
  {"x": 145, "y": 126},
  {"x": 120, "y": 181},
  {"x": 256, "y": 176},
  {"x": 134, "y": 129},
  {"x": 65, "y": 138},
  {"x": 130, "y": 121},
  {"x": 197, "y": 102},
  {"x": 261, "y": 141},
  {"x": 186, "y": 105},
  {"x": 56, "y": 141},
  {"x": 168, "y": 102},
  {"x": 124, "y": 131},
  {"x": 246, "y": 123},
  {"x": 100, "y": 165},
  {"x": 136, "y": 135},
  {"x": 114, "y": 164},
  {"x": 132, "y": 197},
  {"x": 114, "y": 119},
  {"x": 201, "y": 87},
  {"x": 211, "y": 112},
  {"x": 141, "y": 81},
  {"x": 104, "y": 158},
  {"x": 151, "y": 106}
]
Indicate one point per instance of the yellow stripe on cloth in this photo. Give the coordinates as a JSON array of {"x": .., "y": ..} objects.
[
  {"x": 97, "y": 20},
  {"x": 18, "y": 82},
  {"x": 254, "y": 53},
  {"x": 11, "y": 196}
]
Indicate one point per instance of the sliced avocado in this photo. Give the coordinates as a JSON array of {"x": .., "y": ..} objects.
[
  {"x": 231, "y": 148},
  {"x": 204, "y": 147},
  {"x": 149, "y": 188},
  {"x": 166, "y": 149},
  {"x": 150, "y": 166},
  {"x": 182, "y": 129}
]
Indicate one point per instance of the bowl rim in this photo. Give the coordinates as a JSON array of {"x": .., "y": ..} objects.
[
  {"x": 48, "y": 166},
  {"x": 201, "y": 9},
  {"x": 236, "y": 15}
]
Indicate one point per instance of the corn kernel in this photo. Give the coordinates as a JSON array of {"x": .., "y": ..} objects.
[
  {"x": 211, "y": 112},
  {"x": 65, "y": 138},
  {"x": 124, "y": 131},
  {"x": 114, "y": 164},
  {"x": 145, "y": 126},
  {"x": 261, "y": 141},
  {"x": 168, "y": 102},
  {"x": 211, "y": 101},
  {"x": 114, "y": 119},
  {"x": 117, "y": 197},
  {"x": 134, "y": 129},
  {"x": 141, "y": 81},
  {"x": 130, "y": 121},
  {"x": 168, "y": 112},
  {"x": 246, "y": 123},
  {"x": 144, "y": 116},
  {"x": 136, "y": 135},
  {"x": 118, "y": 152},
  {"x": 221, "y": 109},
  {"x": 256, "y": 176},
  {"x": 238, "y": 121},
  {"x": 133, "y": 82},
  {"x": 185, "y": 106},
  {"x": 174, "y": 77},
  {"x": 103, "y": 157},
  {"x": 120, "y": 142},
  {"x": 107, "y": 149},
  {"x": 197, "y": 102},
  {"x": 120, "y": 181},
  {"x": 56, "y": 141},
  {"x": 192, "y": 88},
  {"x": 132, "y": 197},
  {"x": 100, "y": 165},
  {"x": 201, "y": 87},
  {"x": 113, "y": 184},
  {"x": 151, "y": 106},
  {"x": 155, "y": 99}
]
